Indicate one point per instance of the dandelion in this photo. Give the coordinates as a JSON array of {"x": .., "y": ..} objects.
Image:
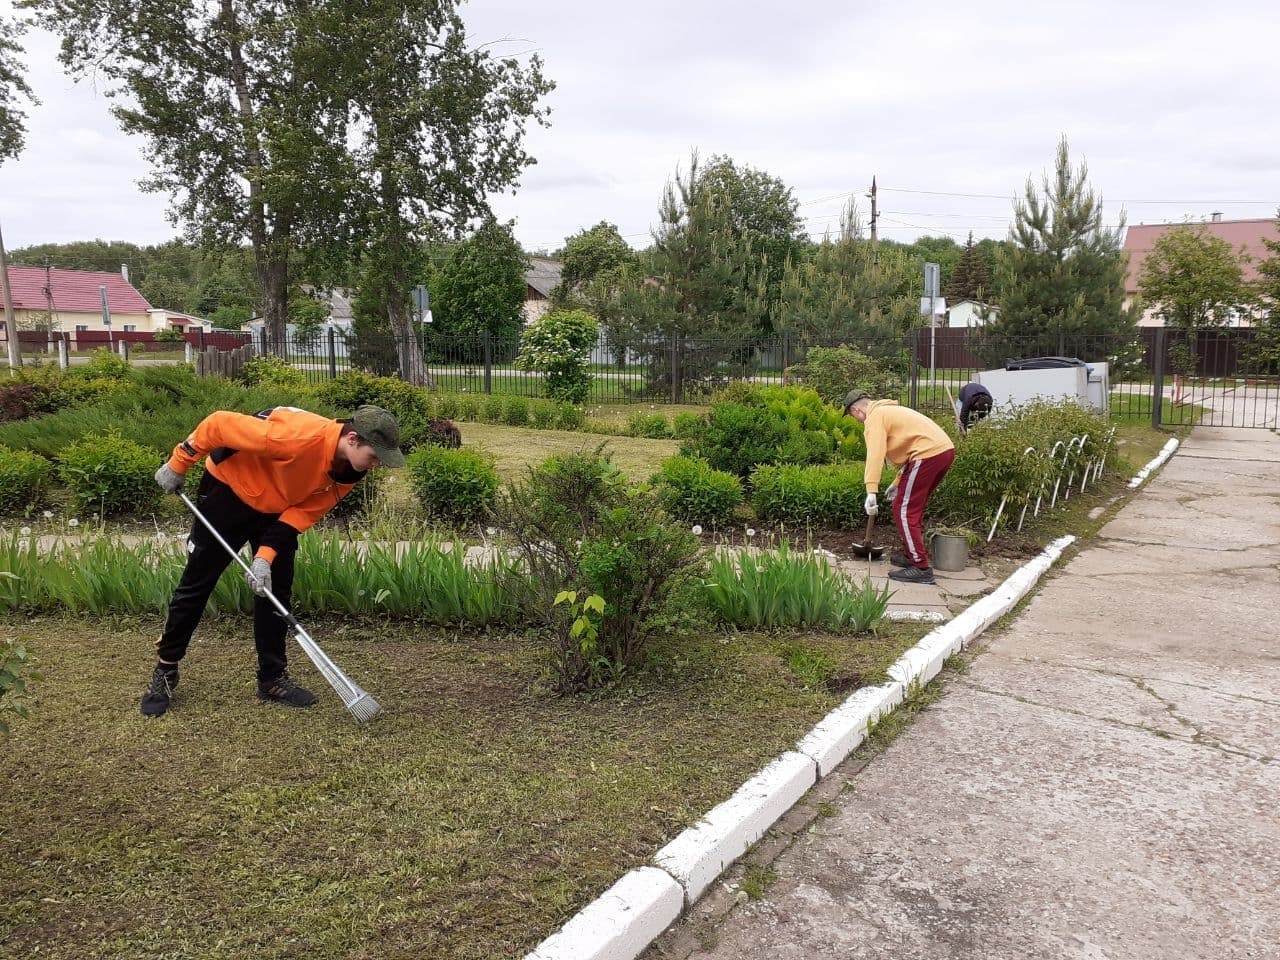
[
  {"x": 48, "y": 514},
  {"x": 697, "y": 530},
  {"x": 491, "y": 531},
  {"x": 25, "y": 531},
  {"x": 73, "y": 522},
  {"x": 751, "y": 531}
]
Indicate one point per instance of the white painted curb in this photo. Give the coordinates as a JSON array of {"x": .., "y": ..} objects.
[
  {"x": 1156, "y": 463},
  {"x": 620, "y": 923},
  {"x": 626, "y": 918},
  {"x": 699, "y": 854},
  {"x": 838, "y": 733}
]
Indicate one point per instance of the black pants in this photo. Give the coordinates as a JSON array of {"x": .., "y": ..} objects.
[{"x": 207, "y": 559}]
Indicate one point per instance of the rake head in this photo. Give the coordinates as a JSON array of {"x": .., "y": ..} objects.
[{"x": 364, "y": 708}]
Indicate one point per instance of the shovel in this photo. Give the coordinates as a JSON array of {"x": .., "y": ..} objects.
[{"x": 864, "y": 550}]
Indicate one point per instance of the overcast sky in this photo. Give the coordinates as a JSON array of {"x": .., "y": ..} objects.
[{"x": 951, "y": 105}]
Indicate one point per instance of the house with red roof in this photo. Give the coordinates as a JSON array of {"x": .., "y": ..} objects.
[
  {"x": 1244, "y": 236},
  {"x": 71, "y": 301}
]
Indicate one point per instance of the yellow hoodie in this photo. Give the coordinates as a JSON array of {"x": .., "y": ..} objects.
[{"x": 898, "y": 434}]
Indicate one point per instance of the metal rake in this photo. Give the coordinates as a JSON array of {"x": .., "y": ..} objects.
[{"x": 360, "y": 703}]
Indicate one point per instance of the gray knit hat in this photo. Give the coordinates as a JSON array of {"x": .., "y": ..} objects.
[{"x": 853, "y": 396}]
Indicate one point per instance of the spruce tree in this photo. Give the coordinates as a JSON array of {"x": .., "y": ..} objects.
[{"x": 971, "y": 278}]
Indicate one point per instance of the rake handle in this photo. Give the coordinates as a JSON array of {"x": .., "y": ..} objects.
[{"x": 235, "y": 555}]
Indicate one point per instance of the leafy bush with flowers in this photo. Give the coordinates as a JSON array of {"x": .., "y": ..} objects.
[{"x": 559, "y": 343}]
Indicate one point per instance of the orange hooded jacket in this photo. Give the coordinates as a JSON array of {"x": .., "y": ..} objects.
[{"x": 281, "y": 463}]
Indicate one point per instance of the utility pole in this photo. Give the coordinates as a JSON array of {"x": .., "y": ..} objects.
[
  {"x": 875, "y": 256},
  {"x": 10, "y": 322}
]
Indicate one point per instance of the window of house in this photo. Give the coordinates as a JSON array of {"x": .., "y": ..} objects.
[
  {"x": 82, "y": 328},
  {"x": 130, "y": 327}
]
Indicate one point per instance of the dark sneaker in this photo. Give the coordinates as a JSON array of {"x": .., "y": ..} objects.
[
  {"x": 283, "y": 690},
  {"x": 900, "y": 560},
  {"x": 913, "y": 575},
  {"x": 159, "y": 694}
]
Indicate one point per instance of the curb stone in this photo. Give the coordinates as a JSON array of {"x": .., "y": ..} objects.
[
  {"x": 627, "y": 918},
  {"x": 1155, "y": 463}
]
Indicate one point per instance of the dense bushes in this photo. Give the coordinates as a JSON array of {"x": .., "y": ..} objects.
[
  {"x": 456, "y": 485},
  {"x": 110, "y": 474},
  {"x": 832, "y": 371},
  {"x": 692, "y": 490},
  {"x": 273, "y": 371},
  {"x": 580, "y": 529},
  {"x": 818, "y": 495},
  {"x": 24, "y": 478}
]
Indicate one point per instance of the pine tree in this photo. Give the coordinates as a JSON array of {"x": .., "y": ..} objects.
[
  {"x": 971, "y": 278},
  {"x": 1062, "y": 273}
]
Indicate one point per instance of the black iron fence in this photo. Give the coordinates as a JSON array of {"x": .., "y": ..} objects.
[{"x": 1228, "y": 377}]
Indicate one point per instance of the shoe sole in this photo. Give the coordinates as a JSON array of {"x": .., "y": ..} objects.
[{"x": 264, "y": 698}]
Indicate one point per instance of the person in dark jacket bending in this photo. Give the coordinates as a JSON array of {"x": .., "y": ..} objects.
[{"x": 975, "y": 403}]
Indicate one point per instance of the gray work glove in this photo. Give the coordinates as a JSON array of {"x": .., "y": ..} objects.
[
  {"x": 870, "y": 505},
  {"x": 259, "y": 577},
  {"x": 170, "y": 480}
]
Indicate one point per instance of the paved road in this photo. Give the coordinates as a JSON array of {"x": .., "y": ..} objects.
[{"x": 1102, "y": 783}]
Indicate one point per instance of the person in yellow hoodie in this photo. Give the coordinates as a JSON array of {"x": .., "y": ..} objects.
[
  {"x": 269, "y": 477},
  {"x": 923, "y": 453}
]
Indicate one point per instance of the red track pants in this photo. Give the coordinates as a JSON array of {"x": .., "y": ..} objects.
[{"x": 916, "y": 483}]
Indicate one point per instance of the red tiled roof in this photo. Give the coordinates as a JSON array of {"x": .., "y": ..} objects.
[
  {"x": 74, "y": 291},
  {"x": 1249, "y": 234}
]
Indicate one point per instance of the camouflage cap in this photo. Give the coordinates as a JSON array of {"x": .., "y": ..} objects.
[
  {"x": 379, "y": 429},
  {"x": 853, "y": 396}
]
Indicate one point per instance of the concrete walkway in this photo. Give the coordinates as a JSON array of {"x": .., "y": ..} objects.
[{"x": 1103, "y": 782}]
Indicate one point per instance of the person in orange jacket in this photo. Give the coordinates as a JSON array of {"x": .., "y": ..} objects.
[
  {"x": 269, "y": 477},
  {"x": 923, "y": 453}
]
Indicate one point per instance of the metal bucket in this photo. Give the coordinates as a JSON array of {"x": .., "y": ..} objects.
[{"x": 950, "y": 552}]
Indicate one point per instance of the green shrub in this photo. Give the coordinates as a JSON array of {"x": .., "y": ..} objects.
[
  {"x": 569, "y": 417},
  {"x": 544, "y": 414},
  {"x": 652, "y": 425},
  {"x": 687, "y": 425},
  {"x": 453, "y": 484},
  {"x": 516, "y": 412},
  {"x": 24, "y": 478},
  {"x": 738, "y": 438},
  {"x": 352, "y": 389},
  {"x": 469, "y": 409},
  {"x": 823, "y": 495},
  {"x": 691, "y": 490},
  {"x": 271, "y": 370},
  {"x": 832, "y": 371},
  {"x": 558, "y": 344},
  {"x": 494, "y": 409},
  {"x": 447, "y": 406},
  {"x": 580, "y": 528},
  {"x": 104, "y": 365},
  {"x": 110, "y": 474}
]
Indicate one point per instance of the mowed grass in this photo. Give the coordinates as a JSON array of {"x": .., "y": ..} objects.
[
  {"x": 469, "y": 821},
  {"x": 516, "y": 449}
]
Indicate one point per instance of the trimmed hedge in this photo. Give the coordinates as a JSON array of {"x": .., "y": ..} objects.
[
  {"x": 828, "y": 495},
  {"x": 692, "y": 490},
  {"x": 24, "y": 477},
  {"x": 110, "y": 474},
  {"x": 453, "y": 484}
]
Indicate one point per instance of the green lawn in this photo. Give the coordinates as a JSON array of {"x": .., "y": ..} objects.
[
  {"x": 518, "y": 448},
  {"x": 469, "y": 821}
]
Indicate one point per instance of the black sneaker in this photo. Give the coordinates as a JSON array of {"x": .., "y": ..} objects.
[
  {"x": 900, "y": 560},
  {"x": 283, "y": 690},
  {"x": 159, "y": 694},
  {"x": 913, "y": 575}
]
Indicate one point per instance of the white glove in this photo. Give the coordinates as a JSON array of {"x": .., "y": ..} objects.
[
  {"x": 170, "y": 480},
  {"x": 259, "y": 577},
  {"x": 870, "y": 505},
  {"x": 890, "y": 495}
]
